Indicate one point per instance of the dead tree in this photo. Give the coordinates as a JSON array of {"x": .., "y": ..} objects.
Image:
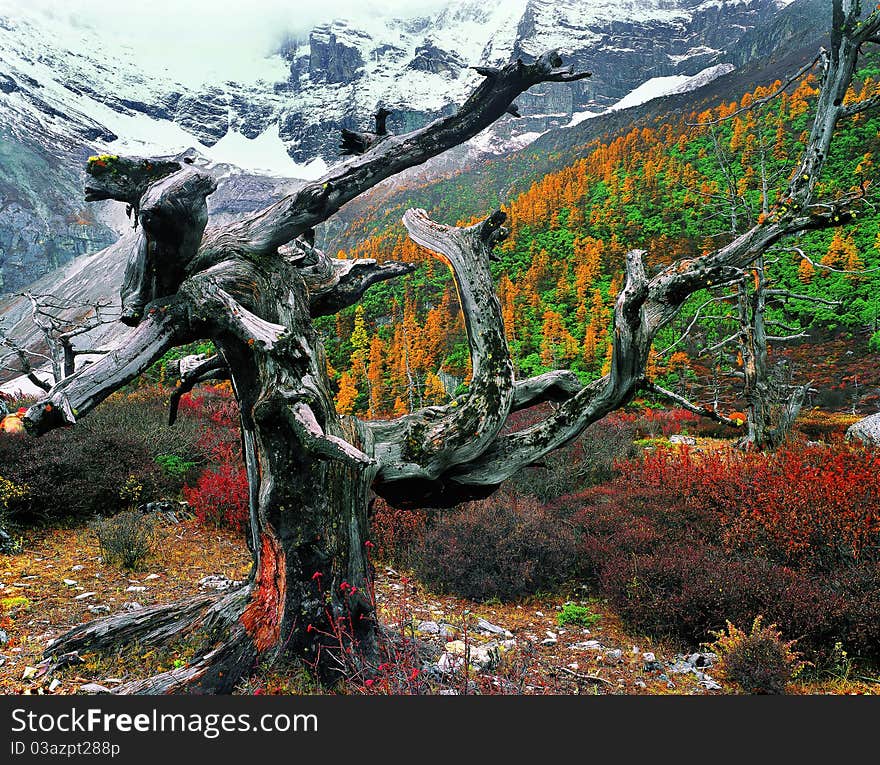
[
  {"x": 312, "y": 472},
  {"x": 772, "y": 399},
  {"x": 60, "y": 323}
]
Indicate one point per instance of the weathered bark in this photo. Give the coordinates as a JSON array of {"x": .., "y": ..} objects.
[
  {"x": 309, "y": 471},
  {"x": 173, "y": 214}
]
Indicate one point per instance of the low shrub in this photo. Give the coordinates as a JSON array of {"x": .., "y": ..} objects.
[
  {"x": 75, "y": 473},
  {"x": 580, "y": 616},
  {"x": 174, "y": 465},
  {"x": 649, "y": 422},
  {"x": 12, "y": 497},
  {"x": 592, "y": 459},
  {"x": 220, "y": 497},
  {"x": 799, "y": 505},
  {"x": 397, "y": 534},
  {"x": 759, "y": 661},
  {"x": 503, "y": 547},
  {"x": 681, "y": 542},
  {"x": 126, "y": 538}
]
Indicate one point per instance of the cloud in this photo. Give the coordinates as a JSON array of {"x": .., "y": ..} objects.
[{"x": 204, "y": 35}]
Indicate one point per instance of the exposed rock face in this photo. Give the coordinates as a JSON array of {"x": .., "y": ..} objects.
[
  {"x": 58, "y": 103},
  {"x": 801, "y": 24},
  {"x": 331, "y": 60},
  {"x": 43, "y": 220},
  {"x": 204, "y": 115},
  {"x": 430, "y": 58},
  {"x": 656, "y": 38}
]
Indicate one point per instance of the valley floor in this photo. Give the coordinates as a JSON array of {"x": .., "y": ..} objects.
[{"x": 60, "y": 580}]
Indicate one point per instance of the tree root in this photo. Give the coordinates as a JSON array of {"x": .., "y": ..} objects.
[{"x": 216, "y": 669}]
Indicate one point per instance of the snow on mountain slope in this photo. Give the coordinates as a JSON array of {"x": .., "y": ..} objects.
[
  {"x": 657, "y": 87},
  {"x": 72, "y": 85},
  {"x": 339, "y": 72}
]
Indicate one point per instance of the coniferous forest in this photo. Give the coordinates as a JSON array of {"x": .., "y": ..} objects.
[{"x": 596, "y": 413}]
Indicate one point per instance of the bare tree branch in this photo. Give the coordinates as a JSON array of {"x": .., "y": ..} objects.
[
  {"x": 684, "y": 403},
  {"x": 264, "y": 231}
]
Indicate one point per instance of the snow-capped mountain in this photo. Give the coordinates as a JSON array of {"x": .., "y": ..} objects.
[{"x": 70, "y": 89}]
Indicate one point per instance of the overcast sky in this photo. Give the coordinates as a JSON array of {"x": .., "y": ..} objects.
[{"x": 185, "y": 31}]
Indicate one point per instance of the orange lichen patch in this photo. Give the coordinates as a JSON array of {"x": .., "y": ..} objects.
[{"x": 262, "y": 617}]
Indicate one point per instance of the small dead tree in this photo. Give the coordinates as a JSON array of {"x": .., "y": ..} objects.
[
  {"x": 60, "y": 323},
  {"x": 772, "y": 399},
  {"x": 312, "y": 472}
]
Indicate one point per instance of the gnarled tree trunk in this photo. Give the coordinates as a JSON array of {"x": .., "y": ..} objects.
[{"x": 311, "y": 472}]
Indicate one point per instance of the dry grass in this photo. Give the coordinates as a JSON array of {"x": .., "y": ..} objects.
[{"x": 38, "y": 606}]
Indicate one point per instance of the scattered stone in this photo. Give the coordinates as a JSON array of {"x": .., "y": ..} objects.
[
  {"x": 54, "y": 684},
  {"x": 549, "y": 641},
  {"x": 99, "y": 609},
  {"x": 132, "y": 606},
  {"x": 492, "y": 629},
  {"x": 151, "y": 577},
  {"x": 134, "y": 588},
  {"x": 447, "y": 631},
  {"x": 867, "y": 431},
  {"x": 449, "y": 664},
  {"x": 4, "y": 637},
  {"x": 649, "y": 657},
  {"x": 670, "y": 684},
  {"x": 484, "y": 657},
  {"x": 538, "y": 613},
  {"x": 168, "y": 512},
  {"x": 70, "y": 582},
  {"x": 217, "y": 582},
  {"x": 681, "y": 668},
  {"x": 428, "y": 628},
  {"x": 94, "y": 688},
  {"x": 587, "y": 645},
  {"x": 640, "y": 684},
  {"x": 78, "y": 567},
  {"x": 8, "y": 546},
  {"x": 84, "y": 595},
  {"x": 710, "y": 684},
  {"x": 615, "y": 654},
  {"x": 706, "y": 659},
  {"x": 680, "y": 438},
  {"x": 28, "y": 673}
]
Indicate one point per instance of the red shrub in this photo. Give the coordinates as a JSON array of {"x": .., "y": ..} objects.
[
  {"x": 817, "y": 505},
  {"x": 221, "y": 496},
  {"x": 650, "y": 423},
  {"x": 682, "y": 542}
]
